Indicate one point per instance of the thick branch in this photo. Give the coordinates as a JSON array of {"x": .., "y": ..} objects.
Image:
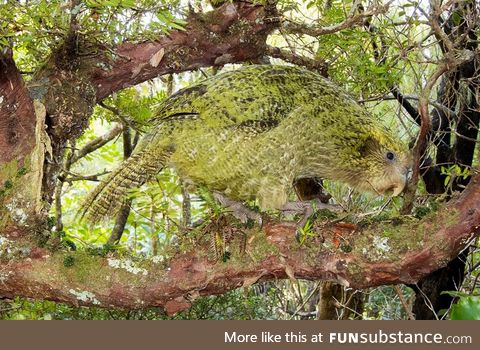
[
  {"x": 17, "y": 117},
  {"x": 367, "y": 258},
  {"x": 211, "y": 39}
]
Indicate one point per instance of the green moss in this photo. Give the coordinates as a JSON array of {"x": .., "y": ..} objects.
[
  {"x": 8, "y": 184},
  {"x": 420, "y": 212},
  {"x": 346, "y": 248},
  {"x": 22, "y": 171},
  {"x": 100, "y": 250},
  {"x": 388, "y": 240},
  {"x": 9, "y": 170},
  {"x": 80, "y": 267},
  {"x": 262, "y": 248},
  {"x": 68, "y": 261}
]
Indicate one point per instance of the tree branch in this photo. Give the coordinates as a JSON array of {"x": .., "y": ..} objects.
[
  {"x": 351, "y": 20},
  {"x": 17, "y": 117},
  {"x": 97, "y": 143},
  {"x": 409, "y": 108},
  {"x": 367, "y": 258},
  {"x": 210, "y": 39},
  {"x": 288, "y": 56},
  {"x": 449, "y": 62}
]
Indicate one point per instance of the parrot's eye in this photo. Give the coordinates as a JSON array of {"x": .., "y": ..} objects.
[{"x": 390, "y": 155}]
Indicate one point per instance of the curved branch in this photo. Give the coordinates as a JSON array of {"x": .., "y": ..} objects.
[
  {"x": 379, "y": 254},
  {"x": 97, "y": 143},
  {"x": 210, "y": 39}
]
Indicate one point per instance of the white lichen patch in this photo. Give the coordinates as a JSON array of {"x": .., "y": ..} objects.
[
  {"x": 85, "y": 296},
  {"x": 9, "y": 250},
  {"x": 5, "y": 246},
  {"x": 15, "y": 208},
  {"x": 128, "y": 265},
  {"x": 157, "y": 259},
  {"x": 381, "y": 243},
  {"x": 4, "y": 275},
  {"x": 4, "y": 242}
]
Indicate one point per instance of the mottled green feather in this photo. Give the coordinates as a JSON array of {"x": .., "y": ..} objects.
[{"x": 250, "y": 132}]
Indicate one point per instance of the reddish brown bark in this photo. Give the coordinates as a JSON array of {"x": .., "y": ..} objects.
[
  {"x": 235, "y": 32},
  {"x": 17, "y": 118},
  {"x": 189, "y": 275}
]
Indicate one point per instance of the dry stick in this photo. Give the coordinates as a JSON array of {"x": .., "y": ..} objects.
[
  {"x": 74, "y": 177},
  {"x": 413, "y": 112},
  {"x": 399, "y": 292},
  {"x": 347, "y": 302},
  {"x": 445, "y": 43},
  {"x": 306, "y": 300},
  {"x": 349, "y": 22},
  {"x": 420, "y": 145},
  {"x": 122, "y": 216},
  {"x": 97, "y": 143},
  {"x": 299, "y": 60}
]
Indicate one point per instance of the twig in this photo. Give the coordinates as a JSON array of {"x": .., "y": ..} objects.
[
  {"x": 445, "y": 43},
  {"x": 399, "y": 292},
  {"x": 124, "y": 212},
  {"x": 97, "y": 143},
  {"x": 351, "y": 20},
  {"x": 449, "y": 62},
  {"x": 125, "y": 119},
  {"x": 290, "y": 56},
  {"x": 404, "y": 99},
  {"x": 76, "y": 177},
  {"x": 314, "y": 290}
]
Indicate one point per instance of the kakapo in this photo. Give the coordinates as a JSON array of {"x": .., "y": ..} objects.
[{"x": 251, "y": 132}]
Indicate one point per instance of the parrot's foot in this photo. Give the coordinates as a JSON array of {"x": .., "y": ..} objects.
[
  {"x": 306, "y": 209},
  {"x": 238, "y": 209}
]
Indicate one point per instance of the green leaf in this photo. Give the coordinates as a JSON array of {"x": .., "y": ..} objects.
[
  {"x": 456, "y": 18},
  {"x": 467, "y": 308}
]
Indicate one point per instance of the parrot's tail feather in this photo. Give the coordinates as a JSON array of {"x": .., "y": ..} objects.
[{"x": 108, "y": 197}]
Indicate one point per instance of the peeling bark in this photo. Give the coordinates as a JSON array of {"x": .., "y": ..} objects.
[{"x": 235, "y": 32}]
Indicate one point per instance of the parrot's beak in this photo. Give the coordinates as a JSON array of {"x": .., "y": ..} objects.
[
  {"x": 406, "y": 176},
  {"x": 397, "y": 190}
]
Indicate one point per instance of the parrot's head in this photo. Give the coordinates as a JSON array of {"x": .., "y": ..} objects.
[{"x": 384, "y": 163}]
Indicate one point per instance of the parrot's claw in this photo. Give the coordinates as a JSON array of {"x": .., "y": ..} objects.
[
  {"x": 238, "y": 209},
  {"x": 306, "y": 209}
]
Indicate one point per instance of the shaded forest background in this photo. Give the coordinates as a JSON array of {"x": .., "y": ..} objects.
[{"x": 79, "y": 81}]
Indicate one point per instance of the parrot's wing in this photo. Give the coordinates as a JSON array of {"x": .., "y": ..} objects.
[{"x": 252, "y": 93}]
